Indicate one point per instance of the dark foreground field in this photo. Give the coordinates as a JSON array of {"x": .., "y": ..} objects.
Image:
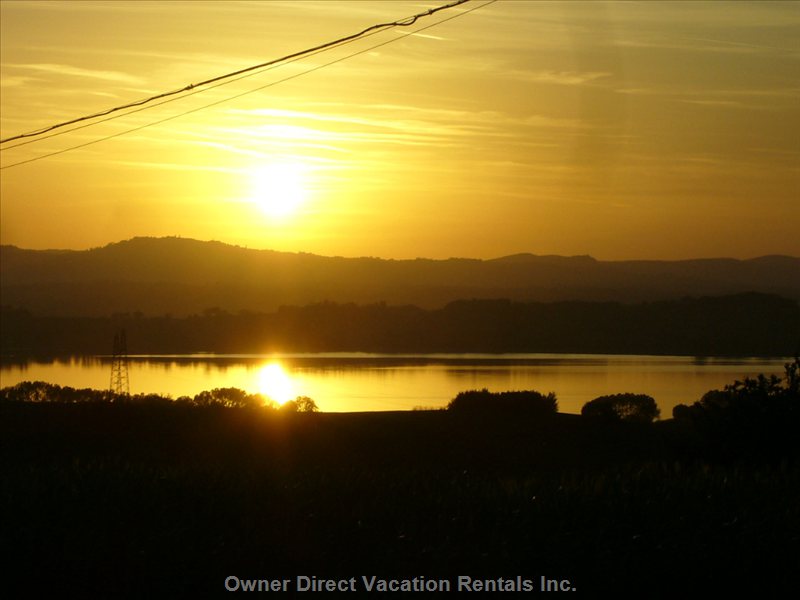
[{"x": 113, "y": 500}]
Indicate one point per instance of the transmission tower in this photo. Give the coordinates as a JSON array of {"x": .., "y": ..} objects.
[{"x": 119, "y": 365}]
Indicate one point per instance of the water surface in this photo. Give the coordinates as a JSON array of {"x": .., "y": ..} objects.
[{"x": 369, "y": 382}]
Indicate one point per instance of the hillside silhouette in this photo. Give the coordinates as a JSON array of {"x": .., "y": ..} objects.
[
  {"x": 177, "y": 276},
  {"x": 747, "y": 324}
]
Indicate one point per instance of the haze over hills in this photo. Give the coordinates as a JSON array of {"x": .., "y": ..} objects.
[{"x": 180, "y": 276}]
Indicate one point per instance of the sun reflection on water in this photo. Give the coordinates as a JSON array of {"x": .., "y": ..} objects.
[{"x": 275, "y": 383}]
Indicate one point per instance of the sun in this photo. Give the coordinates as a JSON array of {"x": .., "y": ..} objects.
[
  {"x": 279, "y": 189},
  {"x": 275, "y": 383}
]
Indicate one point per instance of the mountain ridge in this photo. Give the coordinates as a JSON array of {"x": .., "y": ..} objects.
[
  {"x": 521, "y": 256},
  {"x": 184, "y": 276}
]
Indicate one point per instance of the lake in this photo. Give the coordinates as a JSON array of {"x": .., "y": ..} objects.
[{"x": 340, "y": 382}]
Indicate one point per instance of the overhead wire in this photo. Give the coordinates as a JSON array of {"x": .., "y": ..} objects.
[
  {"x": 117, "y": 115},
  {"x": 234, "y": 97},
  {"x": 405, "y": 22}
]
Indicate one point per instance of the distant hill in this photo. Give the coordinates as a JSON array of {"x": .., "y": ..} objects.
[{"x": 180, "y": 276}]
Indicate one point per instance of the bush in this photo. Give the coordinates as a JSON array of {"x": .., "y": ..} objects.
[
  {"x": 231, "y": 398},
  {"x": 632, "y": 408},
  {"x": 522, "y": 402},
  {"x": 40, "y": 391},
  {"x": 752, "y": 398},
  {"x": 753, "y": 417},
  {"x": 300, "y": 404}
]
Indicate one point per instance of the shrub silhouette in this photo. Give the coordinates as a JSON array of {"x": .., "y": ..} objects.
[
  {"x": 750, "y": 398},
  {"x": 522, "y": 402},
  {"x": 632, "y": 408},
  {"x": 40, "y": 391},
  {"x": 755, "y": 415},
  {"x": 300, "y": 404},
  {"x": 230, "y": 397}
]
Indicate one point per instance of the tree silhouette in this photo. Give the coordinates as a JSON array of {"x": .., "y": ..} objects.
[
  {"x": 40, "y": 391},
  {"x": 754, "y": 416},
  {"x": 750, "y": 398},
  {"x": 520, "y": 402},
  {"x": 230, "y": 397},
  {"x": 633, "y": 408},
  {"x": 300, "y": 404}
]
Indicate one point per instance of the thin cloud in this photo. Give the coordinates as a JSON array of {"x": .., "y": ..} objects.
[
  {"x": 166, "y": 166},
  {"x": 560, "y": 77},
  {"x": 113, "y": 76},
  {"x": 16, "y": 81},
  {"x": 691, "y": 44},
  {"x": 427, "y": 36},
  {"x": 420, "y": 120},
  {"x": 717, "y": 103},
  {"x": 744, "y": 98}
]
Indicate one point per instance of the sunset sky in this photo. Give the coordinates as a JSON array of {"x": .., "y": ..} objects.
[{"x": 623, "y": 130}]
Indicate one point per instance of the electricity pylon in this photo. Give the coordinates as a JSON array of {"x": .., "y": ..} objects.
[{"x": 119, "y": 365}]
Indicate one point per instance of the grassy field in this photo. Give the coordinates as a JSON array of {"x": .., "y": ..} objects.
[{"x": 113, "y": 500}]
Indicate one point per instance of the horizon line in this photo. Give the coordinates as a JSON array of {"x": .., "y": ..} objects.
[{"x": 525, "y": 254}]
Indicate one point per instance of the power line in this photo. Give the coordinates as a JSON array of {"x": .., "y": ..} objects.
[
  {"x": 271, "y": 84},
  {"x": 40, "y": 137},
  {"x": 374, "y": 28}
]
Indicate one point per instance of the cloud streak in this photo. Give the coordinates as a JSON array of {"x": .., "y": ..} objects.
[
  {"x": 57, "y": 69},
  {"x": 560, "y": 77}
]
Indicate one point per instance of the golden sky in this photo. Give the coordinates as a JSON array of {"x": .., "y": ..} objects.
[{"x": 622, "y": 130}]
